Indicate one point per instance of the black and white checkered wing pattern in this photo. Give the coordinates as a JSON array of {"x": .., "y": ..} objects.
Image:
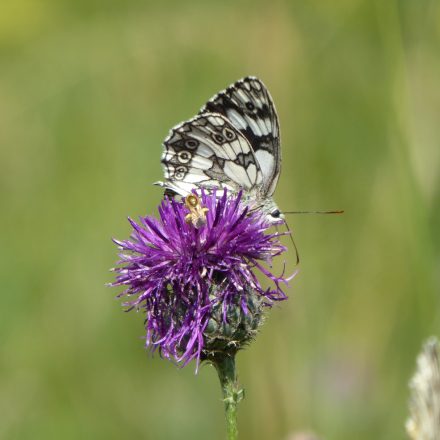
[
  {"x": 208, "y": 151},
  {"x": 248, "y": 105}
]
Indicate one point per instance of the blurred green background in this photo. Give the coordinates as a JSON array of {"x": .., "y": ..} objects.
[{"x": 88, "y": 91}]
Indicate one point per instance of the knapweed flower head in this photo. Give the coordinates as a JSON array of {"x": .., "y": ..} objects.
[{"x": 198, "y": 286}]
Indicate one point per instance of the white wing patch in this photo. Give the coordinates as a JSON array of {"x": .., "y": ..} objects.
[
  {"x": 266, "y": 161},
  {"x": 252, "y": 172},
  {"x": 238, "y": 174},
  {"x": 236, "y": 119}
]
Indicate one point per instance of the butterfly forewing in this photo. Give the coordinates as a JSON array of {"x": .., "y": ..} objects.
[
  {"x": 248, "y": 105},
  {"x": 209, "y": 151}
]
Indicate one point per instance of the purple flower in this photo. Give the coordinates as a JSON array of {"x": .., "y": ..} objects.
[{"x": 192, "y": 281}]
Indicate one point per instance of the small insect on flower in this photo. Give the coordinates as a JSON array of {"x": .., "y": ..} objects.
[{"x": 197, "y": 213}]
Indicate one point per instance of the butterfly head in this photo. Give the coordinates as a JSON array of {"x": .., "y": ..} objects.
[{"x": 273, "y": 214}]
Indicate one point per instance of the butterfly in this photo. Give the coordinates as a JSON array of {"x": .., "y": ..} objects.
[{"x": 233, "y": 142}]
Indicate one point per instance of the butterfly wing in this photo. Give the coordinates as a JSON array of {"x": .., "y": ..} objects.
[
  {"x": 208, "y": 151},
  {"x": 248, "y": 105}
]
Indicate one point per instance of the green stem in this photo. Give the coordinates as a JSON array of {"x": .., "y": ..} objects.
[{"x": 232, "y": 394}]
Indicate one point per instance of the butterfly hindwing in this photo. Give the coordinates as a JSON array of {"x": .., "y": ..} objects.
[
  {"x": 248, "y": 105},
  {"x": 209, "y": 151}
]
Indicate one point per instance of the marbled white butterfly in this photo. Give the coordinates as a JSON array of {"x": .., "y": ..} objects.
[{"x": 233, "y": 142}]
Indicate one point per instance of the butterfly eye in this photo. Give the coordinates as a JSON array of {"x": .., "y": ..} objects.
[
  {"x": 276, "y": 213},
  {"x": 228, "y": 134}
]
